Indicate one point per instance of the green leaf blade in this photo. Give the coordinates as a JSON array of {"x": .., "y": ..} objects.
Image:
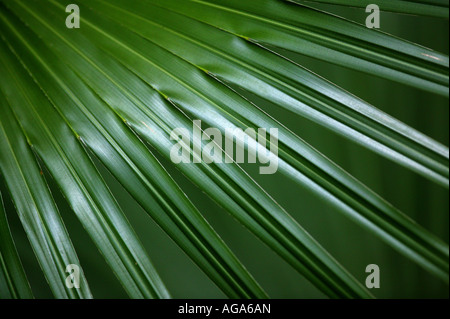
[
  {"x": 84, "y": 189},
  {"x": 135, "y": 167},
  {"x": 217, "y": 106},
  {"x": 287, "y": 84},
  {"x": 323, "y": 36},
  {"x": 324, "y": 271},
  {"x": 36, "y": 207},
  {"x": 438, "y": 9},
  {"x": 13, "y": 281}
]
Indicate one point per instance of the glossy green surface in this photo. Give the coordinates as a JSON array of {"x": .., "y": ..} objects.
[{"x": 94, "y": 107}]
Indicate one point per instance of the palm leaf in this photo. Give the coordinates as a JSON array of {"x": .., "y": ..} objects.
[
  {"x": 119, "y": 132},
  {"x": 318, "y": 269},
  {"x": 432, "y": 8},
  {"x": 13, "y": 281},
  {"x": 35, "y": 206},
  {"x": 214, "y": 104},
  {"x": 323, "y": 36},
  {"x": 131, "y": 78},
  {"x": 217, "y": 107},
  {"x": 78, "y": 179},
  {"x": 289, "y": 85}
]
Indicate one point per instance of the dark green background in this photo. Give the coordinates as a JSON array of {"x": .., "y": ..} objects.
[{"x": 350, "y": 244}]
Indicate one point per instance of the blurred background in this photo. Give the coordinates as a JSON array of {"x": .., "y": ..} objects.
[{"x": 355, "y": 248}]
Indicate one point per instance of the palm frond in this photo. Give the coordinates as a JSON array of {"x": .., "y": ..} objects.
[
  {"x": 432, "y": 8},
  {"x": 283, "y": 82},
  {"x": 323, "y": 36},
  {"x": 116, "y": 88},
  {"x": 13, "y": 281},
  {"x": 123, "y": 144},
  {"x": 35, "y": 206}
]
